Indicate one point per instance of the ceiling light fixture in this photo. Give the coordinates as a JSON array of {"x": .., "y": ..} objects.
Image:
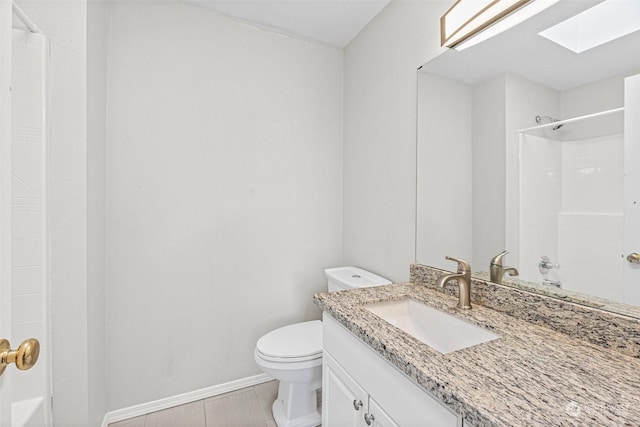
[{"x": 469, "y": 22}]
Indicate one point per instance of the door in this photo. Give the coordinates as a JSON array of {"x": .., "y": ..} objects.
[
  {"x": 378, "y": 417},
  {"x": 344, "y": 401},
  {"x": 631, "y": 242}
]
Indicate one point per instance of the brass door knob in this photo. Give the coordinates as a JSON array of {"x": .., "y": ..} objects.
[
  {"x": 634, "y": 258},
  {"x": 24, "y": 357}
]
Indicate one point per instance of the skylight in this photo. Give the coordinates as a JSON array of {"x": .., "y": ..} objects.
[{"x": 598, "y": 25}]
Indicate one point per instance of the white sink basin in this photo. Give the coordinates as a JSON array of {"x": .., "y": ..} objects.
[{"x": 439, "y": 330}]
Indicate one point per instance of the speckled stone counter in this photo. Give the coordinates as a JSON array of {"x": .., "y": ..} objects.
[
  {"x": 531, "y": 376},
  {"x": 610, "y": 330}
]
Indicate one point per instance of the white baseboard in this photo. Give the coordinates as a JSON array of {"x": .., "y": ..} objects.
[{"x": 181, "y": 399}]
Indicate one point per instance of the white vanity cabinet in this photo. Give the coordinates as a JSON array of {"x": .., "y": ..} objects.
[
  {"x": 345, "y": 403},
  {"x": 362, "y": 389}
]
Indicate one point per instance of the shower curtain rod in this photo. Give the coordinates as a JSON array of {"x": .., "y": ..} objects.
[
  {"x": 25, "y": 19},
  {"x": 575, "y": 119}
]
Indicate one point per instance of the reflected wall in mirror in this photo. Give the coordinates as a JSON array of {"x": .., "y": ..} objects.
[{"x": 496, "y": 171}]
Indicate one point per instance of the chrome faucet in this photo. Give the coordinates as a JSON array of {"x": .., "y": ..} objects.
[
  {"x": 463, "y": 277},
  {"x": 497, "y": 270}
]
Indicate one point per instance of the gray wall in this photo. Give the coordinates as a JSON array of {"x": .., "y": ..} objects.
[
  {"x": 444, "y": 171},
  {"x": 224, "y": 193},
  {"x": 380, "y": 134}
]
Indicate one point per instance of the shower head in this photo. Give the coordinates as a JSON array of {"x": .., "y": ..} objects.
[{"x": 548, "y": 119}]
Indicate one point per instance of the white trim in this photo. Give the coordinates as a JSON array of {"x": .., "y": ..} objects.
[{"x": 181, "y": 399}]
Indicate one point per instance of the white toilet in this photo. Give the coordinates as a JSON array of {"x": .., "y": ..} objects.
[{"x": 293, "y": 355}]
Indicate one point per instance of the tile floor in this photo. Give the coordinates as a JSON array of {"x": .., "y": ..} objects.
[{"x": 248, "y": 407}]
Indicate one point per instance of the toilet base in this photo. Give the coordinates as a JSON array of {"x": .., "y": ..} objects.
[{"x": 296, "y": 406}]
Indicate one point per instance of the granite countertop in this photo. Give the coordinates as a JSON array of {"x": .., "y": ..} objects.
[
  {"x": 531, "y": 376},
  {"x": 567, "y": 295}
]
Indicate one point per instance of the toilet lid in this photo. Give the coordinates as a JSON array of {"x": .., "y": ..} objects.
[{"x": 293, "y": 341}]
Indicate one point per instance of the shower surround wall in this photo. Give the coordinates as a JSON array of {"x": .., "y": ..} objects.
[
  {"x": 224, "y": 193},
  {"x": 590, "y": 223},
  {"x": 571, "y": 211},
  {"x": 30, "y": 272}
]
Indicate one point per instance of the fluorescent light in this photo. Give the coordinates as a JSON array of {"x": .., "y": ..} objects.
[
  {"x": 598, "y": 25},
  {"x": 461, "y": 13},
  {"x": 529, "y": 10}
]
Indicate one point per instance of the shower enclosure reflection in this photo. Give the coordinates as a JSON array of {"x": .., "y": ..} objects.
[{"x": 571, "y": 204}]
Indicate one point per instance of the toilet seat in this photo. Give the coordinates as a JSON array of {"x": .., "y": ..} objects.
[
  {"x": 293, "y": 356},
  {"x": 292, "y": 343}
]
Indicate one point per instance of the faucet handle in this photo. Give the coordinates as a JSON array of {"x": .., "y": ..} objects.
[
  {"x": 463, "y": 266},
  {"x": 497, "y": 260}
]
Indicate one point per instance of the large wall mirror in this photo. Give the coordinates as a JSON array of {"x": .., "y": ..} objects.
[{"x": 527, "y": 146}]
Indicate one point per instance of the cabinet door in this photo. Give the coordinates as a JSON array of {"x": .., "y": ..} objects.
[
  {"x": 344, "y": 402},
  {"x": 377, "y": 417}
]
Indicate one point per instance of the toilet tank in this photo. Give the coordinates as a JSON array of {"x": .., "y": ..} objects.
[{"x": 341, "y": 278}]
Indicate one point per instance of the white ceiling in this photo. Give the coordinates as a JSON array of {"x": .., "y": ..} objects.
[{"x": 335, "y": 22}]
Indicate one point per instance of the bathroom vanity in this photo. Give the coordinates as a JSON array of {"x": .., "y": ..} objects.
[
  {"x": 532, "y": 375},
  {"x": 362, "y": 388}
]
